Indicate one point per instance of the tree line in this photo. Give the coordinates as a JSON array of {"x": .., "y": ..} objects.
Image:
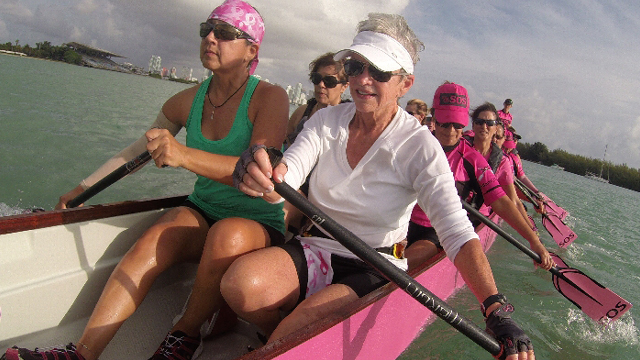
[
  {"x": 620, "y": 175},
  {"x": 45, "y": 50}
]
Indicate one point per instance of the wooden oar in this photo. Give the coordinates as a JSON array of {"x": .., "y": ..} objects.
[
  {"x": 559, "y": 231},
  {"x": 108, "y": 180},
  {"x": 595, "y": 300},
  {"x": 388, "y": 270}
]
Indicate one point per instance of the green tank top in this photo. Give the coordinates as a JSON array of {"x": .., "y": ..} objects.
[{"x": 221, "y": 201}]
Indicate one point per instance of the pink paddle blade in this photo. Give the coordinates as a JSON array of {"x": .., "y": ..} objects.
[
  {"x": 553, "y": 208},
  {"x": 595, "y": 300},
  {"x": 559, "y": 231}
]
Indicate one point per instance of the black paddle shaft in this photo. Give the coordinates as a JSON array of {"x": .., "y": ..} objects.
[
  {"x": 108, "y": 180},
  {"x": 493, "y": 226},
  {"x": 388, "y": 270}
]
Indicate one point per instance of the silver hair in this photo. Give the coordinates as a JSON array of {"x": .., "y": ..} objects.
[{"x": 395, "y": 26}]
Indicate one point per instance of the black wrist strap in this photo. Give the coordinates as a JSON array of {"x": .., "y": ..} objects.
[{"x": 497, "y": 298}]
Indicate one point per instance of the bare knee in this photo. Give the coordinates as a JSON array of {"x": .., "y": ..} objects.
[
  {"x": 229, "y": 238},
  {"x": 261, "y": 281},
  {"x": 176, "y": 237},
  {"x": 245, "y": 287}
]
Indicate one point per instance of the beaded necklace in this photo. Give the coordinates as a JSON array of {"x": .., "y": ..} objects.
[{"x": 221, "y": 105}]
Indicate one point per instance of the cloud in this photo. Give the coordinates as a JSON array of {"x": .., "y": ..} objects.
[{"x": 569, "y": 66}]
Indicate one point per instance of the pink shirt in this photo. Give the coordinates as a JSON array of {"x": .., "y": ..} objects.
[
  {"x": 504, "y": 173},
  {"x": 464, "y": 157},
  {"x": 507, "y": 119},
  {"x": 517, "y": 165}
]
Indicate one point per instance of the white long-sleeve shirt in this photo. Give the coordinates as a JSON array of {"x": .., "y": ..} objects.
[{"x": 374, "y": 200}]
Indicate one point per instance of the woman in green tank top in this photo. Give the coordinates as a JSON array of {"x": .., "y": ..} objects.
[{"x": 223, "y": 116}]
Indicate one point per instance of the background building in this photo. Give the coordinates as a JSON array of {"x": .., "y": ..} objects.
[{"x": 155, "y": 65}]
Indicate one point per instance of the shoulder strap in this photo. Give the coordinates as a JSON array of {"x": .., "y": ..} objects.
[{"x": 495, "y": 157}]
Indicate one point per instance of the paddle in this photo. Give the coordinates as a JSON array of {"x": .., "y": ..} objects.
[
  {"x": 560, "y": 212},
  {"x": 595, "y": 300},
  {"x": 551, "y": 206},
  {"x": 535, "y": 228},
  {"x": 108, "y": 180},
  {"x": 559, "y": 231},
  {"x": 388, "y": 270}
]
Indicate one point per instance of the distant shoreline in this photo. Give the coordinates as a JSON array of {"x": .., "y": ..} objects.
[
  {"x": 14, "y": 53},
  {"x": 25, "y": 56}
]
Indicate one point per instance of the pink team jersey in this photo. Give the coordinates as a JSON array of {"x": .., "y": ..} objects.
[
  {"x": 473, "y": 178},
  {"x": 507, "y": 119}
]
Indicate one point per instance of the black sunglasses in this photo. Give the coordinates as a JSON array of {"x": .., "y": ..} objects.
[
  {"x": 499, "y": 137},
  {"x": 353, "y": 67},
  {"x": 222, "y": 31},
  {"x": 483, "y": 121},
  {"x": 450, "y": 124},
  {"x": 329, "y": 81}
]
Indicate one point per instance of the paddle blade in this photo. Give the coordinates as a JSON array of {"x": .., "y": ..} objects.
[
  {"x": 595, "y": 300},
  {"x": 553, "y": 208},
  {"x": 559, "y": 231}
]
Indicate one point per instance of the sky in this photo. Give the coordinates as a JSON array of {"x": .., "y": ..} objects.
[{"x": 571, "y": 68}]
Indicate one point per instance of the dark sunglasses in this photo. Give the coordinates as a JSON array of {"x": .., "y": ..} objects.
[
  {"x": 222, "y": 31},
  {"x": 499, "y": 137},
  {"x": 450, "y": 124},
  {"x": 329, "y": 81},
  {"x": 353, "y": 67},
  {"x": 483, "y": 121}
]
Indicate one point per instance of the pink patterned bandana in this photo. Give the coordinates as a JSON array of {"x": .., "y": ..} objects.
[{"x": 244, "y": 17}]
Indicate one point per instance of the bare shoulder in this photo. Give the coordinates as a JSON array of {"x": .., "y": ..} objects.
[
  {"x": 297, "y": 113},
  {"x": 268, "y": 97},
  {"x": 177, "y": 107},
  {"x": 270, "y": 91},
  {"x": 295, "y": 118}
]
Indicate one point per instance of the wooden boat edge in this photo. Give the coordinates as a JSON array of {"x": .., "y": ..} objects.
[{"x": 38, "y": 220}]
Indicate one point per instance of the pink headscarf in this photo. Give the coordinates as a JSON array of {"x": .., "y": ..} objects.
[{"x": 244, "y": 17}]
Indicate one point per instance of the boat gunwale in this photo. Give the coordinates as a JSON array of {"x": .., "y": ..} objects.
[{"x": 39, "y": 220}]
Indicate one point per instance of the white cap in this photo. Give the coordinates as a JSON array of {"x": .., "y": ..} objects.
[{"x": 381, "y": 50}]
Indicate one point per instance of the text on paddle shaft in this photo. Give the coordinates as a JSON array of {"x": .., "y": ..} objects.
[{"x": 451, "y": 316}]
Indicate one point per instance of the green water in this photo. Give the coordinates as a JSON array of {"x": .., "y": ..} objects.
[{"x": 60, "y": 122}]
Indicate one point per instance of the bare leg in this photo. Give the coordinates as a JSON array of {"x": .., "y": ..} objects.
[
  {"x": 177, "y": 236},
  {"x": 315, "y": 307},
  {"x": 259, "y": 284},
  {"x": 419, "y": 252},
  {"x": 226, "y": 241}
]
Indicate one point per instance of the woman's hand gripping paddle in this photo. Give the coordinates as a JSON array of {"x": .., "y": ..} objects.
[
  {"x": 382, "y": 265},
  {"x": 108, "y": 180},
  {"x": 595, "y": 300},
  {"x": 559, "y": 231}
]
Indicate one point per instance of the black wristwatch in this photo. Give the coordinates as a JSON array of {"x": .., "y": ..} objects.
[{"x": 497, "y": 298}]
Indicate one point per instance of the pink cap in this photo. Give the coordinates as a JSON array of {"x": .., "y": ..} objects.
[
  {"x": 451, "y": 104},
  {"x": 244, "y": 17},
  {"x": 509, "y": 142}
]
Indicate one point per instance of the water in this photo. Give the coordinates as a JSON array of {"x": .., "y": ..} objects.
[
  {"x": 60, "y": 122},
  {"x": 605, "y": 218}
]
